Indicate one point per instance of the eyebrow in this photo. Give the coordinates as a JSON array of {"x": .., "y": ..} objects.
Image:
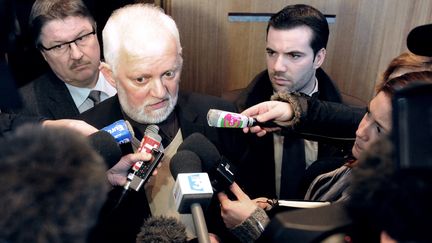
[
  {"x": 289, "y": 52},
  {"x": 79, "y": 34}
]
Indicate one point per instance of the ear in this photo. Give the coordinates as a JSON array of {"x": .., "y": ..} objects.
[
  {"x": 319, "y": 58},
  {"x": 107, "y": 73}
]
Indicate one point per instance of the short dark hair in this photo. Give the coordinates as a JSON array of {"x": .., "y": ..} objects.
[
  {"x": 44, "y": 11},
  {"x": 52, "y": 185},
  {"x": 296, "y": 15}
]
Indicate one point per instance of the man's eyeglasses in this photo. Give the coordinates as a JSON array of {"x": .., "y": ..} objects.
[{"x": 63, "y": 48}]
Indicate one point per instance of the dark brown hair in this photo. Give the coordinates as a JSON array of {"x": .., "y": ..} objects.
[{"x": 44, "y": 11}]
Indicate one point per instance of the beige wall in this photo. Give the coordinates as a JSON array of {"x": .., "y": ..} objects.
[{"x": 221, "y": 55}]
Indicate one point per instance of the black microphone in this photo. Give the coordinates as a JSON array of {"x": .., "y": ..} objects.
[
  {"x": 185, "y": 161},
  {"x": 192, "y": 190},
  {"x": 106, "y": 146},
  {"x": 162, "y": 229},
  {"x": 220, "y": 170}
]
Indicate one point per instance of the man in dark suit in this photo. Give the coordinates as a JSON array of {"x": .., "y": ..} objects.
[
  {"x": 296, "y": 48},
  {"x": 64, "y": 33},
  {"x": 143, "y": 57}
]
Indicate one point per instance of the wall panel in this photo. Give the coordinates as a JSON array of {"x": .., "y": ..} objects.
[{"x": 221, "y": 55}]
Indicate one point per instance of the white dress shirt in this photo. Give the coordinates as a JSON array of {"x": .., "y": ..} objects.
[{"x": 80, "y": 95}]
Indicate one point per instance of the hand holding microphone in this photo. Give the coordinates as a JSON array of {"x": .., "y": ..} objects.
[
  {"x": 225, "y": 119},
  {"x": 141, "y": 171},
  {"x": 281, "y": 113},
  {"x": 117, "y": 175},
  {"x": 234, "y": 212}
]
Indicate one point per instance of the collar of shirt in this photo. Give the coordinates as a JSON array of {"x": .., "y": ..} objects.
[{"x": 79, "y": 95}]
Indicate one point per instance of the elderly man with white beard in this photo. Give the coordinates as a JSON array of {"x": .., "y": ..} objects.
[{"x": 143, "y": 58}]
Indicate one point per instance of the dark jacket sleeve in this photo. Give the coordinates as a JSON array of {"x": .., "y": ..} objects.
[{"x": 322, "y": 120}]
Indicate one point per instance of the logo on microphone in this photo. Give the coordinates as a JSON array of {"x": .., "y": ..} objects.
[
  {"x": 195, "y": 182},
  {"x": 231, "y": 120}
]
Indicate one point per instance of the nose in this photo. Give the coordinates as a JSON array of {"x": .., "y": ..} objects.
[
  {"x": 279, "y": 64},
  {"x": 75, "y": 51},
  {"x": 363, "y": 128},
  {"x": 158, "y": 90}
]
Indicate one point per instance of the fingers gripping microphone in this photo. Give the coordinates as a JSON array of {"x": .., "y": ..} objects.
[
  {"x": 220, "y": 170},
  {"x": 225, "y": 119},
  {"x": 192, "y": 189}
]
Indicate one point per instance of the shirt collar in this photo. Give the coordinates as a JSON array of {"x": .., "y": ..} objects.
[{"x": 79, "y": 95}]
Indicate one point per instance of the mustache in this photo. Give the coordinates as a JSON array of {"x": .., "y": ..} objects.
[
  {"x": 78, "y": 63},
  {"x": 279, "y": 75}
]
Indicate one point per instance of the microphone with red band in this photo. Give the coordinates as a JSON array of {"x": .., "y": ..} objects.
[{"x": 141, "y": 171}]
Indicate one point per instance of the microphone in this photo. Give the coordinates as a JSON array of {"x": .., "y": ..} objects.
[
  {"x": 185, "y": 161},
  {"x": 123, "y": 133},
  {"x": 191, "y": 190},
  {"x": 225, "y": 119},
  {"x": 162, "y": 229},
  {"x": 106, "y": 146},
  {"x": 141, "y": 171},
  {"x": 220, "y": 170}
]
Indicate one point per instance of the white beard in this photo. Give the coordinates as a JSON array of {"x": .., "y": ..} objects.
[{"x": 139, "y": 114}]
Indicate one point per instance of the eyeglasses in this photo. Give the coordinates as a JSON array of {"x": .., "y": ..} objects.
[{"x": 64, "y": 48}]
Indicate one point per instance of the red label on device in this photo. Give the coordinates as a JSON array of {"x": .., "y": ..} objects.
[{"x": 148, "y": 144}]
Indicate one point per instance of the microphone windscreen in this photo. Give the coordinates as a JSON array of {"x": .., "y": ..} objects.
[
  {"x": 206, "y": 150},
  {"x": 106, "y": 146},
  {"x": 162, "y": 229},
  {"x": 185, "y": 161}
]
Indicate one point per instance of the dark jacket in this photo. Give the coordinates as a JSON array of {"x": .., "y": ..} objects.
[
  {"x": 257, "y": 173},
  {"x": 48, "y": 96},
  {"x": 123, "y": 223}
]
